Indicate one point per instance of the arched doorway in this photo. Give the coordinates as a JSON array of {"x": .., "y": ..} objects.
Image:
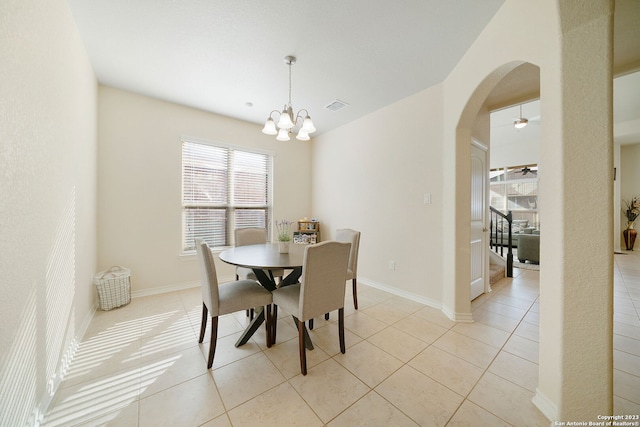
[
  {"x": 473, "y": 123},
  {"x": 574, "y": 54},
  {"x": 504, "y": 143}
]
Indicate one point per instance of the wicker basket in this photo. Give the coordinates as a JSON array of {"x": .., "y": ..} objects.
[{"x": 114, "y": 287}]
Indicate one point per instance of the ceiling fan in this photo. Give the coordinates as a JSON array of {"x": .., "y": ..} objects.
[{"x": 521, "y": 122}]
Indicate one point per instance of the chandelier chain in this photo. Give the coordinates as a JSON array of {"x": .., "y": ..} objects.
[{"x": 289, "y": 84}]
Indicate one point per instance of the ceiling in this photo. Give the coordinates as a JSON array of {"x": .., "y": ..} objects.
[
  {"x": 227, "y": 56},
  {"x": 219, "y": 55},
  {"x": 504, "y": 133},
  {"x": 626, "y": 116}
]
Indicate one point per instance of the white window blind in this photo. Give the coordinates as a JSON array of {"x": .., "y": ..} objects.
[{"x": 222, "y": 189}]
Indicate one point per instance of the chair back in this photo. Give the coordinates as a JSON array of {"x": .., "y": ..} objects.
[
  {"x": 324, "y": 271},
  {"x": 208, "y": 276},
  {"x": 250, "y": 236},
  {"x": 353, "y": 237}
]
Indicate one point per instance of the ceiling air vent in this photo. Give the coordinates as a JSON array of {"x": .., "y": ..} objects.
[{"x": 336, "y": 105}]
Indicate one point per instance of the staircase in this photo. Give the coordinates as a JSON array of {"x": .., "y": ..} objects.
[
  {"x": 500, "y": 266},
  {"x": 496, "y": 273}
]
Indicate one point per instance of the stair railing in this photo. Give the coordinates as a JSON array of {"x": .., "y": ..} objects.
[{"x": 497, "y": 240}]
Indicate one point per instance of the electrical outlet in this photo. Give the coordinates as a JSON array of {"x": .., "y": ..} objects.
[
  {"x": 427, "y": 198},
  {"x": 392, "y": 265}
]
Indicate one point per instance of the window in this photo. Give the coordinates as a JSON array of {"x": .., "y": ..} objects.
[
  {"x": 223, "y": 188},
  {"x": 515, "y": 189}
]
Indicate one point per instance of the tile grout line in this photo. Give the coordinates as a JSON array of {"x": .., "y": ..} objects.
[{"x": 493, "y": 360}]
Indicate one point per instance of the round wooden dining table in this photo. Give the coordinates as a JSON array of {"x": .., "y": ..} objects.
[{"x": 263, "y": 259}]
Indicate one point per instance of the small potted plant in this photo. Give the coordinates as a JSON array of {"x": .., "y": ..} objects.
[{"x": 283, "y": 227}]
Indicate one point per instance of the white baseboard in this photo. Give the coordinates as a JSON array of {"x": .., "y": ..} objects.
[
  {"x": 63, "y": 366},
  {"x": 165, "y": 289},
  {"x": 400, "y": 292},
  {"x": 458, "y": 317},
  {"x": 545, "y": 405}
]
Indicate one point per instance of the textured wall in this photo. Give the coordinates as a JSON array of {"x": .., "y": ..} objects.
[
  {"x": 47, "y": 200},
  {"x": 571, "y": 43}
]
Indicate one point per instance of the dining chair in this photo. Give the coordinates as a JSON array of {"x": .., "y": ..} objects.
[
  {"x": 353, "y": 237},
  {"x": 321, "y": 290},
  {"x": 226, "y": 298},
  {"x": 347, "y": 235},
  {"x": 252, "y": 236}
]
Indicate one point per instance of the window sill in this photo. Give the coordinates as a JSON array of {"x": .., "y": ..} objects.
[{"x": 191, "y": 255}]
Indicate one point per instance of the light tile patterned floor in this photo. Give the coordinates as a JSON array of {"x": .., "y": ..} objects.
[{"x": 406, "y": 364}]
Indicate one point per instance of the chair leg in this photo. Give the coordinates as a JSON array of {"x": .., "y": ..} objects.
[
  {"x": 341, "y": 329},
  {"x": 326, "y": 316},
  {"x": 355, "y": 293},
  {"x": 303, "y": 354},
  {"x": 274, "y": 323},
  {"x": 238, "y": 278},
  {"x": 214, "y": 339},
  {"x": 267, "y": 324},
  {"x": 248, "y": 312},
  {"x": 203, "y": 324},
  {"x": 310, "y": 323}
]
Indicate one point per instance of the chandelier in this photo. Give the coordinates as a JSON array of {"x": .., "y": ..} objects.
[{"x": 286, "y": 121}]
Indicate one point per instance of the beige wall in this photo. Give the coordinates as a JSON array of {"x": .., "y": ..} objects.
[
  {"x": 48, "y": 197},
  {"x": 629, "y": 177},
  {"x": 629, "y": 171},
  {"x": 388, "y": 168},
  {"x": 139, "y": 184}
]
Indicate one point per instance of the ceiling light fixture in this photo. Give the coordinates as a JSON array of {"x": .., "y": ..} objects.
[
  {"x": 521, "y": 122},
  {"x": 286, "y": 121}
]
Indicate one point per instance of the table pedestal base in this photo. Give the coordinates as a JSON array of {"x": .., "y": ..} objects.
[{"x": 268, "y": 282}]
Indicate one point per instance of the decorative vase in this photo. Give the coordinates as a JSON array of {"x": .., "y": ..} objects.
[
  {"x": 629, "y": 236},
  {"x": 283, "y": 247}
]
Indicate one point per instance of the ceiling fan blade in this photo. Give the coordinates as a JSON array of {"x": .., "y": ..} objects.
[{"x": 504, "y": 125}]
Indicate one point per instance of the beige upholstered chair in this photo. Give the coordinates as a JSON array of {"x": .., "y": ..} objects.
[
  {"x": 251, "y": 236},
  {"x": 321, "y": 290},
  {"x": 346, "y": 235},
  {"x": 353, "y": 237},
  {"x": 227, "y": 298}
]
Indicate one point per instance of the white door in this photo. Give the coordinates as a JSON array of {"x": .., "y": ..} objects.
[{"x": 479, "y": 255}]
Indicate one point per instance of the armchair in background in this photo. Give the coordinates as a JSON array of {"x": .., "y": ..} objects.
[{"x": 529, "y": 248}]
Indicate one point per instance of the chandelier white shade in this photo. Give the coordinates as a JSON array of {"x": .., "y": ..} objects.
[{"x": 287, "y": 121}]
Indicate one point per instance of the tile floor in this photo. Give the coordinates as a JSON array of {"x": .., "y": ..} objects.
[{"x": 406, "y": 364}]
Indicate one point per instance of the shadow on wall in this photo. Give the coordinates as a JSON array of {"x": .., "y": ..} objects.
[{"x": 43, "y": 345}]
